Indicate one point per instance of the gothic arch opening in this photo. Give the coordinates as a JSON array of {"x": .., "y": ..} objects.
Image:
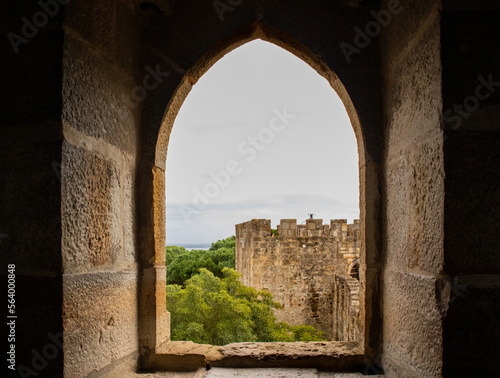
[
  {"x": 157, "y": 331},
  {"x": 252, "y": 140}
]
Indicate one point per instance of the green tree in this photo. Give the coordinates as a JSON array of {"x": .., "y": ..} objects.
[
  {"x": 220, "y": 255},
  {"x": 172, "y": 251},
  {"x": 229, "y": 243},
  {"x": 220, "y": 311}
]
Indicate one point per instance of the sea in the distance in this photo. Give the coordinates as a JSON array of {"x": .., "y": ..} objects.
[{"x": 190, "y": 246}]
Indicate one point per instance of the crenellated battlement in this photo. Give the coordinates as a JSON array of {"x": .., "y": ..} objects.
[{"x": 338, "y": 229}]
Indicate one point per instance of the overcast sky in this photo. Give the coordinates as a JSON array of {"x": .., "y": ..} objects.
[{"x": 261, "y": 135}]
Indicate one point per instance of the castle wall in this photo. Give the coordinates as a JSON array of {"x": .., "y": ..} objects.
[
  {"x": 345, "y": 309},
  {"x": 298, "y": 265}
]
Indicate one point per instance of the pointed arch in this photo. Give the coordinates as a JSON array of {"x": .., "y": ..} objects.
[
  {"x": 154, "y": 326},
  {"x": 256, "y": 31}
]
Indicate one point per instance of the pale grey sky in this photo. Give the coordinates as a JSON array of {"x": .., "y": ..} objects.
[{"x": 261, "y": 135}]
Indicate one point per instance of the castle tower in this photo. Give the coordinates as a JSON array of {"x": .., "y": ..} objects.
[{"x": 301, "y": 265}]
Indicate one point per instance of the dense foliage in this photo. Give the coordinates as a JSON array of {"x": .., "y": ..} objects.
[
  {"x": 183, "y": 264},
  {"x": 229, "y": 243},
  {"x": 220, "y": 311},
  {"x": 173, "y": 251}
]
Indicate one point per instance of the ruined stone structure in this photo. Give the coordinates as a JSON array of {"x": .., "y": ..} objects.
[
  {"x": 307, "y": 269},
  {"x": 84, "y": 133}
]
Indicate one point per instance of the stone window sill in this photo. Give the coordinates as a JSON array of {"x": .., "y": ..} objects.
[{"x": 189, "y": 356}]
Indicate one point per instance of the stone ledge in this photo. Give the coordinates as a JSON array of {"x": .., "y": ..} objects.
[
  {"x": 188, "y": 356},
  {"x": 255, "y": 372},
  {"x": 243, "y": 373}
]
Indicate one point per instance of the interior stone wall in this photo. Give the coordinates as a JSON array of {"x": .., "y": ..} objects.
[
  {"x": 30, "y": 193},
  {"x": 100, "y": 124},
  {"x": 470, "y": 40},
  {"x": 413, "y": 193}
]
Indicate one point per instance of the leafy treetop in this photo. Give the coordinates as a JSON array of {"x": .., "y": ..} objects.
[
  {"x": 183, "y": 264},
  {"x": 220, "y": 311}
]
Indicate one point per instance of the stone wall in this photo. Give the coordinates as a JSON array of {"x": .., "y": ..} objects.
[
  {"x": 470, "y": 40},
  {"x": 30, "y": 190},
  {"x": 345, "y": 309},
  {"x": 98, "y": 189},
  {"x": 299, "y": 266},
  {"x": 82, "y": 175},
  {"x": 413, "y": 192}
]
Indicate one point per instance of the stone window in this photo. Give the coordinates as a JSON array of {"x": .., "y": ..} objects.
[{"x": 342, "y": 355}]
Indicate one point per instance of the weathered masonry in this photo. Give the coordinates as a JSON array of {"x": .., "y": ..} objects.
[
  {"x": 84, "y": 134},
  {"x": 308, "y": 270}
]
